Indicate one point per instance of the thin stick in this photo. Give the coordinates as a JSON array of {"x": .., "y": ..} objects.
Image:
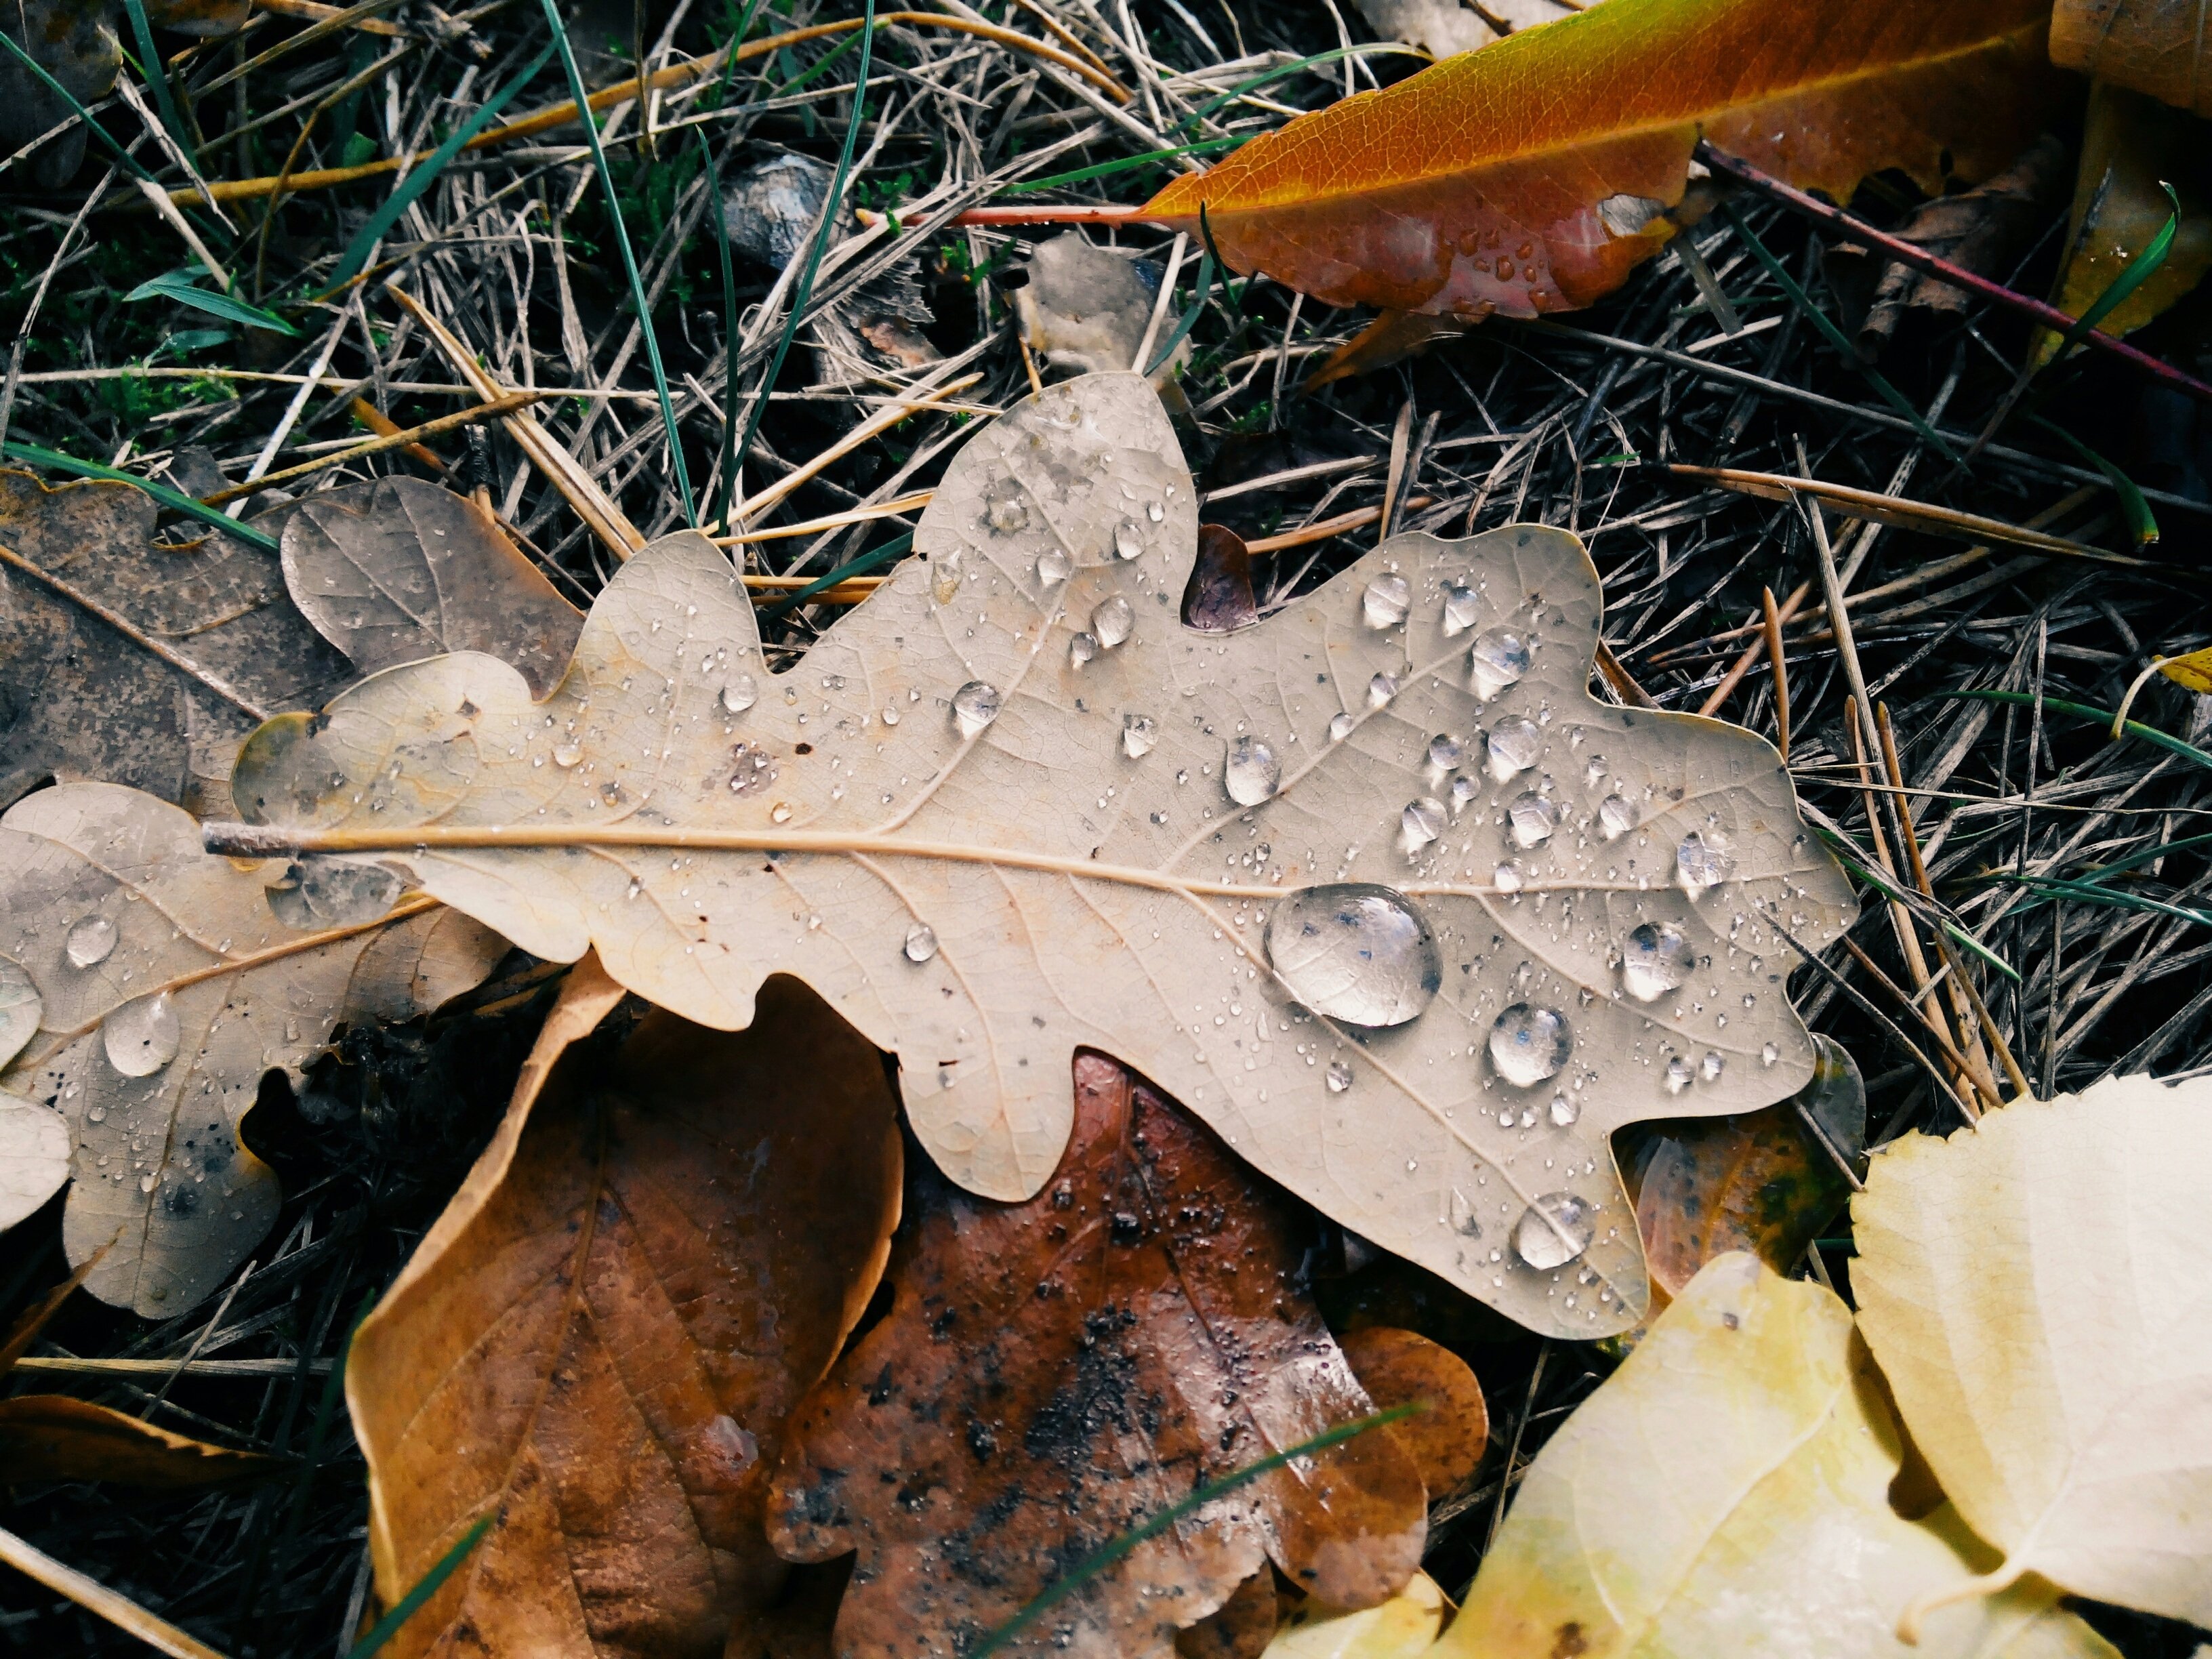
[
  {"x": 96, "y": 1598},
  {"x": 881, "y": 422},
  {"x": 395, "y": 438},
  {"x": 1358, "y": 518}
]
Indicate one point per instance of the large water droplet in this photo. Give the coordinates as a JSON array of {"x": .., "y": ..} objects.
[
  {"x": 1155, "y": 512},
  {"x": 1530, "y": 1043},
  {"x": 1381, "y": 690},
  {"x": 739, "y": 692},
  {"x": 1554, "y": 1231},
  {"x": 1529, "y": 819},
  {"x": 1340, "y": 1077},
  {"x": 337, "y": 893},
  {"x": 1386, "y": 601},
  {"x": 975, "y": 705},
  {"x": 1461, "y": 604},
  {"x": 141, "y": 1036},
  {"x": 1702, "y": 865},
  {"x": 91, "y": 942},
  {"x": 1443, "y": 751},
  {"x": 1496, "y": 660},
  {"x": 1052, "y": 567},
  {"x": 1358, "y": 953},
  {"x": 1140, "y": 732},
  {"x": 1251, "y": 773},
  {"x": 1128, "y": 540},
  {"x": 1515, "y": 745},
  {"x": 921, "y": 942},
  {"x": 1565, "y": 1110},
  {"x": 1655, "y": 960},
  {"x": 1616, "y": 817},
  {"x": 566, "y": 753},
  {"x": 1112, "y": 621},
  {"x": 1507, "y": 877},
  {"x": 1341, "y": 725},
  {"x": 1421, "y": 822},
  {"x": 1082, "y": 648}
]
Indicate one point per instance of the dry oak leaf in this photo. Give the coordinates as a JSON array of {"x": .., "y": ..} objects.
[
  {"x": 1054, "y": 1372},
  {"x": 2038, "y": 1293},
  {"x": 399, "y": 569},
  {"x": 1375, "y": 887},
  {"x": 1447, "y": 1436},
  {"x": 53, "y": 1437},
  {"x": 1726, "y": 1491},
  {"x": 600, "y": 1338},
  {"x": 2157, "y": 46},
  {"x": 169, "y": 987},
  {"x": 218, "y": 646},
  {"x": 1532, "y": 175},
  {"x": 34, "y": 1142}
]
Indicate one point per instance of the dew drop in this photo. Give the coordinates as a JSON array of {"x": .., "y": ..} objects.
[
  {"x": 1529, "y": 819},
  {"x": 975, "y": 705},
  {"x": 1701, "y": 865},
  {"x": 1496, "y": 660},
  {"x": 1616, "y": 817},
  {"x": 1655, "y": 960},
  {"x": 91, "y": 942},
  {"x": 1463, "y": 790},
  {"x": 1155, "y": 512},
  {"x": 1341, "y": 725},
  {"x": 1678, "y": 1074},
  {"x": 20, "y": 1009},
  {"x": 1564, "y": 1110},
  {"x": 1443, "y": 751},
  {"x": 921, "y": 942},
  {"x": 1554, "y": 1231},
  {"x": 567, "y": 753},
  {"x": 1386, "y": 601},
  {"x": 1128, "y": 540},
  {"x": 1004, "y": 510},
  {"x": 1514, "y": 746},
  {"x": 141, "y": 1036},
  {"x": 1358, "y": 953},
  {"x": 1340, "y": 1077},
  {"x": 740, "y": 693},
  {"x": 891, "y": 714},
  {"x": 1769, "y": 1054},
  {"x": 1052, "y": 567},
  {"x": 1381, "y": 690},
  {"x": 1528, "y": 1043},
  {"x": 1112, "y": 621},
  {"x": 1460, "y": 606},
  {"x": 1710, "y": 1067},
  {"x": 780, "y": 812},
  {"x": 1251, "y": 773},
  {"x": 1140, "y": 732},
  {"x": 1082, "y": 648},
  {"x": 1421, "y": 822},
  {"x": 1506, "y": 879}
]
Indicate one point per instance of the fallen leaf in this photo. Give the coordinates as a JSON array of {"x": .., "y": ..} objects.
[
  {"x": 200, "y": 18},
  {"x": 53, "y": 1437},
  {"x": 1377, "y": 887},
  {"x": 1447, "y": 1436},
  {"x": 1403, "y": 1628},
  {"x": 1726, "y": 1491},
  {"x": 2131, "y": 147},
  {"x": 1444, "y": 28},
  {"x": 2038, "y": 1293},
  {"x": 74, "y": 42},
  {"x": 35, "y": 1151},
  {"x": 2192, "y": 671},
  {"x": 1054, "y": 1372},
  {"x": 1218, "y": 597},
  {"x": 2156, "y": 47},
  {"x": 1085, "y": 308},
  {"x": 1768, "y": 1181},
  {"x": 1241, "y": 1627},
  {"x": 397, "y": 569},
  {"x": 81, "y": 700},
  {"x": 1531, "y": 176},
  {"x": 599, "y": 1340},
  {"x": 1393, "y": 337},
  {"x": 169, "y": 987}
]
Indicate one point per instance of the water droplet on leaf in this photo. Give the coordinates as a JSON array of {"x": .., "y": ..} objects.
[
  {"x": 1554, "y": 1231},
  {"x": 1496, "y": 660},
  {"x": 1655, "y": 960},
  {"x": 1138, "y": 734},
  {"x": 141, "y": 1036},
  {"x": 1529, "y": 819},
  {"x": 1251, "y": 773},
  {"x": 1112, "y": 621},
  {"x": 975, "y": 705},
  {"x": 921, "y": 942},
  {"x": 741, "y": 693},
  {"x": 91, "y": 942},
  {"x": 1386, "y": 601},
  {"x": 1530, "y": 1043},
  {"x": 1358, "y": 953},
  {"x": 1514, "y": 746}
]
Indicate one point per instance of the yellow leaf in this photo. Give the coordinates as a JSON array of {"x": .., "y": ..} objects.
[
  {"x": 1727, "y": 1491},
  {"x": 2192, "y": 672},
  {"x": 2039, "y": 1294},
  {"x": 1401, "y": 1628},
  {"x": 2155, "y": 46}
]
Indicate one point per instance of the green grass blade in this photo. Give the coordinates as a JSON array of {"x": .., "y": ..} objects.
[
  {"x": 2149, "y": 734},
  {"x": 804, "y": 290},
  {"x": 2141, "y": 270},
  {"x": 1384, "y": 49},
  {"x": 630, "y": 260},
  {"x": 176, "y": 285},
  {"x": 813, "y": 70},
  {"x": 175, "y": 501},
  {"x": 2141, "y": 525},
  {"x": 1834, "y": 336},
  {"x": 1104, "y": 169},
  {"x": 1189, "y": 317},
  {"x": 1107, "y": 1554},
  {"x": 380, "y": 221},
  {"x": 123, "y": 159},
  {"x": 388, "y": 1626},
  {"x": 149, "y": 66},
  {"x": 872, "y": 560}
]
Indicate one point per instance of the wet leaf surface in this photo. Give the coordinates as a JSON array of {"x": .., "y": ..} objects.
[
  {"x": 1447, "y": 1436},
  {"x": 1052, "y": 1373},
  {"x": 602, "y": 1337},
  {"x": 1377, "y": 887},
  {"x": 169, "y": 987}
]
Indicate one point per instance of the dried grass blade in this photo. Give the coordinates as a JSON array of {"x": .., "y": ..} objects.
[{"x": 97, "y": 1599}]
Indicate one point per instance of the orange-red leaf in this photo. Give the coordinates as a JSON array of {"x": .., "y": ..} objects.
[
  {"x": 1527, "y": 177},
  {"x": 51, "y": 1436},
  {"x": 2163, "y": 47}
]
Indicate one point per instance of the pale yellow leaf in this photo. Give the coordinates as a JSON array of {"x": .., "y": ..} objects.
[
  {"x": 2038, "y": 1291},
  {"x": 1401, "y": 1628},
  {"x": 1726, "y": 1492}
]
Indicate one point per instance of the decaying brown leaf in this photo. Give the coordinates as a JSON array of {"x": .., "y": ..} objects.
[
  {"x": 1052, "y": 1373},
  {"x": 1085, "y": 308},
  {"x": 218, "y": 647},
  {"x": 600, "y": 1340},
  {"x": 53, "y": 1438},
  {"x": 399, "y": 569},
  {"x": 1447, "y": 1435},
  {"x": 76, "y": 43},
  {"x": 2157, "y": 46},
  {"x": 1218, "y": 597},
  {"x": 170, "y": 983},
  {"x": 1375, "y": 886}
]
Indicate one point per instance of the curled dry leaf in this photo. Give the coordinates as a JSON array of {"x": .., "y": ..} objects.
[
  {"x": 399, "y": 569},
  {"x": 1054, "y": 1372},
  {"x": 2039, "y": 1295},
  {"x": 53, "y": 1438},
  {"x": 81, "y": 700},
  {"x": 169, "y": 987},
  {"x": 1726, "y": 1491},
  {"x": 1376, "y": 886},
  {"x": 2157, "y": 46},
  {"x": 1403, "y": 1628},
  {"x": 1531, "y": 176},
  {"x": 600, "y": 1340},
  {"x": 1447, "y": 1435},
  {"x": 1085, "y": 308}
]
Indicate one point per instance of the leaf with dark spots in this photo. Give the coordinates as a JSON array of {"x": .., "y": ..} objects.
[
  {"x": 1219, "y": 598},
  {"x": 1136, "y": 1329}
]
